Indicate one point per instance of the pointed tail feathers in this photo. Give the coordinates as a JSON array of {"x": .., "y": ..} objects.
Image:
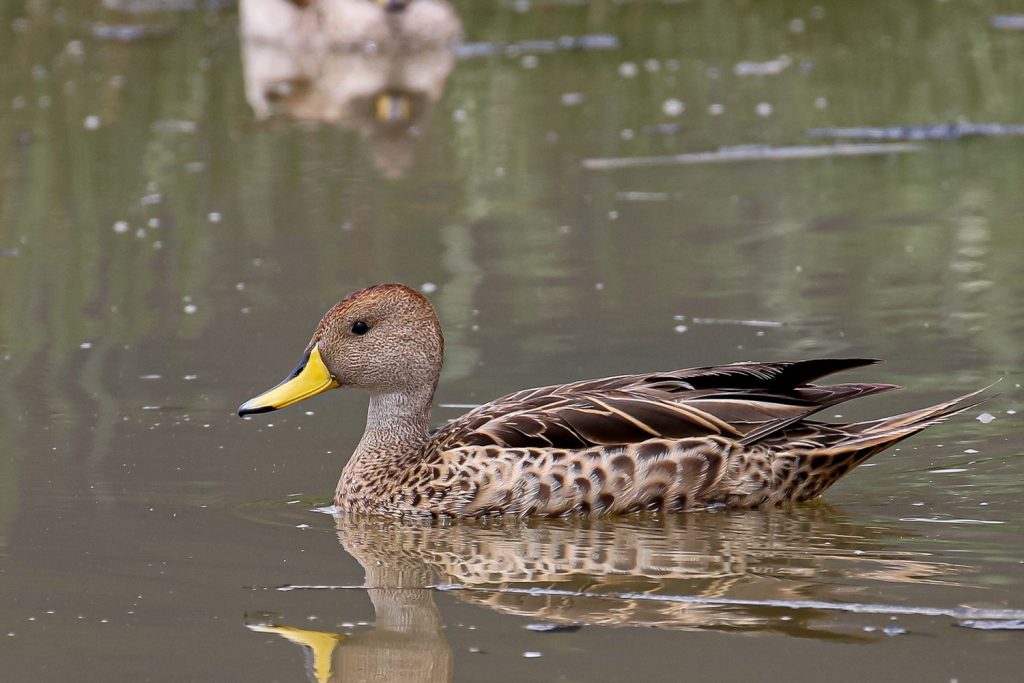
[
  {"x": 905, "y": 424},
  {"x": 817, "y": 469}
]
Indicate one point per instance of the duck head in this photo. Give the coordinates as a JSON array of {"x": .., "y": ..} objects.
[{"x": 384, "y": 339}]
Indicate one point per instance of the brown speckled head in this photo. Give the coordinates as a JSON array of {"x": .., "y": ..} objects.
[{"x": 382, "y": 338}]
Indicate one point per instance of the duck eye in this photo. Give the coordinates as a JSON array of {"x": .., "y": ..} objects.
[{"x": 360, "y": 328}]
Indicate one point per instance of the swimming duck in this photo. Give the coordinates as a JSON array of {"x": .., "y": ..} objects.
[{"x": 736, "y": 435}]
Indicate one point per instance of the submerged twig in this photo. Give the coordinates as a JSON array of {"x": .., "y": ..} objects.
[
  {"x": 597, "y": 41},
  {"x": 1009, "y": 22},
  {"x": 941, "y": 131},
  {"x": 965, "y": 613},
  {"x": 752, "y": 153}
]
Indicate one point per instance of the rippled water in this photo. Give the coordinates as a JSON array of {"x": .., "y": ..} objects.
[{"x": 178, "y": 206}]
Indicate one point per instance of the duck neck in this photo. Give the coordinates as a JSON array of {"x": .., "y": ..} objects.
[{"x": 397, "y": 427}]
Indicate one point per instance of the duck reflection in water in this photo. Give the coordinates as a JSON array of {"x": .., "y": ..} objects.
[
  {"x": 377, "y": 66},
  {"x": 604, "y": 572}
]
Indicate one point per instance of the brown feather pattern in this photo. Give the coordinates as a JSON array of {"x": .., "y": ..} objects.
[
  {"x": 741, "y": 435},
  {"x": 735, "y": 435}
]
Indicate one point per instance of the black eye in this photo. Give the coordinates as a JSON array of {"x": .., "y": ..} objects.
[{"x": 360, "y": 328}]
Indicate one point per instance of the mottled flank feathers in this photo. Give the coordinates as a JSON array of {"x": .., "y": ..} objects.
[{"x": 647, "y": 442}]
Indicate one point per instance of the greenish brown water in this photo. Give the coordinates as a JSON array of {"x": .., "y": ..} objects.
[{"x": 166, "y": 249}]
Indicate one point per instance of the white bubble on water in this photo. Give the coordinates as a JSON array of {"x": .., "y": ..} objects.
[
  {"x": 672, "y": 107},
  {"x": 572, "y": 99},
  {"x": 628, "y": 70}
]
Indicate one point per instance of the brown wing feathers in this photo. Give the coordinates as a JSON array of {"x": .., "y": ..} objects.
[
  {"x": 745, "y": 401},
  {"x": 737, "y": 435}
]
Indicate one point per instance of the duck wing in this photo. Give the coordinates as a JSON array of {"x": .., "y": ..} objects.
[{"x": 746, "y": 402}]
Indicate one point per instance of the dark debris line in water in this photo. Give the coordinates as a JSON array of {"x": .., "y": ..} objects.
[
  {"x": 988, "y": 619},
  {"x": 546, "y": 627},
  {"x": 1009, "y": 22},
  {"x": 941, "y": 131},
  {"x": 130, "y": 33},
  {"x": 993, "y": 624},
  {"x": 158, "y": 6},
  {"x": 753, "y": 153},
  {"x": 563, "y": 44}
]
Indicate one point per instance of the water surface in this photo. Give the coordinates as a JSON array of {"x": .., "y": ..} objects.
[{"x": 169, "y": 236}]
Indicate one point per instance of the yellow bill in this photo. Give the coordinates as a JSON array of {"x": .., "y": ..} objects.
[
  {"x": 392, "y": 108},
  {"x": 321, "y": 644},
  {"x": 309, "y": 378}
]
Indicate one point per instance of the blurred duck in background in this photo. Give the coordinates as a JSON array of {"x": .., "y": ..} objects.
[{"x": 377, "y": 66}]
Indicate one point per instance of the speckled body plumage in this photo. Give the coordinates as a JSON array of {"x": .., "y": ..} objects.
[{"x": 735, "y": 435}]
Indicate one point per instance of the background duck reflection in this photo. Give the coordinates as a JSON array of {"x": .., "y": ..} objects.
[{"x": 377, "y": 66}]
